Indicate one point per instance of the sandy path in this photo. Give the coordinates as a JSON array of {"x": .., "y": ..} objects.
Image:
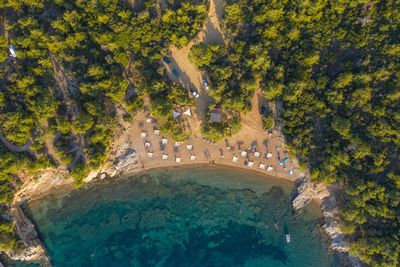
[{"x": 189, "y": 76}]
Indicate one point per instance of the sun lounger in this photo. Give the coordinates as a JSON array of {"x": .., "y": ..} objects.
[
  {"x": 150, "y": 155},
  {"x": 270, "y": 169},
  {"x": 269, "y": 155},
  {"x": 243, "y": 154},
  {"x": 164, "y": 141},
  {"x": 192, "y": 157},
  {"x": 251, "y": 164},
  {"x": 157, "y": 132},
  {"x": 257, "y": 154},
  {"x": 262, "y": 166},
  {"x": 165, "y": 157},
  {"x": 235, "y": 159},
  {"x": 144, "y": 134},
  {"x": 177, "y": 144},
  {"x": 178, "y": 160},
  {"x": 189, "y": 147}
]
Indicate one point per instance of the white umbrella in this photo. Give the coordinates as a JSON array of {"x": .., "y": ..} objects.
[
  {"x": 262, "y": 166},
  {"x": 192, "y": 157},
  {"x": 176, "y": 114},
  {"x": 257, "y": 154},
  {"x": 189, "y": 147},
  {"x": 178, "y": 160},
  {"x": 187, "y": 112},
  {"x": 165, "y": 157},
  {"x": 251, "y": 164}
]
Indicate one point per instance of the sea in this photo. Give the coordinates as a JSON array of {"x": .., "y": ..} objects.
[{"x": 181, "y": 216}]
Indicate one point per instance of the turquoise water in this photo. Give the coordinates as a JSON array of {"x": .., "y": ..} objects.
[{"x": 187, "y": 216}]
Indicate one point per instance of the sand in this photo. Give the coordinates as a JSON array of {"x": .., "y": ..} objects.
[{"x": 252, "y": 132}]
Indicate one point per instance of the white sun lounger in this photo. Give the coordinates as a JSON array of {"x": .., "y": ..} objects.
[
  {"x": 144, "y": 134},
  {"x": 243, "y": 154},
  {"x": 192, "y": 157},
  {"x": 189, "y": 147},
  {"x": 150, "y": 155},
  {"x": 165, "y": 157},
  {"x": 157, "y": 132},
  {"x": 164, "y": 141},
  {"x": 251, "y": 164},
  {"x": 178, "y": 160},
  {"x": 235, "y": 159},
  {"x": 257, "y": 154},
  {"x": 270, "y": 169},
  {"x": 148, "y": 121},
  {"x": 262, "y": 166},
  {"x": 177, "y": 144},
  {"x": 269, "y": 155}
]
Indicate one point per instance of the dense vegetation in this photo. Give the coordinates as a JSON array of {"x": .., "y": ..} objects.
[
  {"x": 77, "y": 61},
  {"x": 334, "y": 67}
]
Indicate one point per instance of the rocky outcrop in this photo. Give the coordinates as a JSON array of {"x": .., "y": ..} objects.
[
  {"x": 34, "y": 251},
  {"x": 309, "y": 190}
]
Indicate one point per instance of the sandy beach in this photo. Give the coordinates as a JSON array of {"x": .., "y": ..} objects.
[{"x": 222, "y": 152}]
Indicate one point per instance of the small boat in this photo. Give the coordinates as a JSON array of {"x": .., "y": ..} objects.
[
  {"x": 288, "y": 238},
  {"x": 276, "y": 226}
]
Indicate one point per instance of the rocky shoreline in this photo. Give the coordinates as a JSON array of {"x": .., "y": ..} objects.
[{"x": 52, "y": 180}]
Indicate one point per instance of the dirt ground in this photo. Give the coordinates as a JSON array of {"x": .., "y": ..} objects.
[{"x": 252, "y": 132}]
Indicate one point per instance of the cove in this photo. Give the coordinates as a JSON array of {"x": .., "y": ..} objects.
[{"x": 186, "y": 216}]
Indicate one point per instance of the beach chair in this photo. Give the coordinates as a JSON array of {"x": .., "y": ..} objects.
[
  {"x": 178, "y": 160},
  {"x": 251, "y": 164},
  {"x": 262, "y": 166},
  {"x": 165, "y": 156},
  {"x": 243, "y": 154},
  {"x": 189, "y": 147},
  {"x": 235, "y": 159},
  {"x": 164, "y": 141},
  {"x": 144, "y": 134},
  {"x": 257, "y": 154},
  {"x": 147, "y": 145}
]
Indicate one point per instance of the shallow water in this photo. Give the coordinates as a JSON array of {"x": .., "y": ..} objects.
[{"x": 187, "y": 216}]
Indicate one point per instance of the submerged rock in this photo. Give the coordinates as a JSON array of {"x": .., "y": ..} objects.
[
  {"x": 309, "y": 190},
  {"x": 35, "y": 251}
]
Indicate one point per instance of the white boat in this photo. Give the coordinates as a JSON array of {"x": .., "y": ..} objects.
[{"x": 288, "y": 238}]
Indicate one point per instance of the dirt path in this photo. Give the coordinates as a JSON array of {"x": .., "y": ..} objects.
[
  {"x": 189, "y": 76},
  {"x": 15, "y": 148}
]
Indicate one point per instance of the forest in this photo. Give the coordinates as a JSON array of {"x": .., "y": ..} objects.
[
  {"x": 76, "y": 61},
  {"x": 334, "y": 67}
]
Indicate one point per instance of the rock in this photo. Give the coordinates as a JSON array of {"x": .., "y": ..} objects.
[
  {"x": 35, "y": 251},
  {"x": 123, "y": 163},
  {"x": 307, "y": 191}
]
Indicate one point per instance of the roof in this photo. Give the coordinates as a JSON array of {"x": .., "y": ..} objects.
[{"x": 216, "y": 115}]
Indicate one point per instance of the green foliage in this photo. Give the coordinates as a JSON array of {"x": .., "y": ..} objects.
[
  {"x": 78, "y": 173},
  {"x": 174, "y": 131},
  {"x": 333, "y": 65},
  {"x": 216, "y": 131},
  {"x": 268, "y": 121}
]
